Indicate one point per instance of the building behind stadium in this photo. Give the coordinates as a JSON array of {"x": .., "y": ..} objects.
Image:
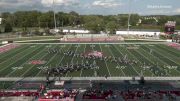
[{"x": 139, "y": 32}]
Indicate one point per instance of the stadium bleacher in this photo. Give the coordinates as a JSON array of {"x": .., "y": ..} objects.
[
  {"x": 60, "y": 95},
  {"x": 103, "y": 92},
  {"x": 92, "y": 38},
  {"x": 97, "y": 94}
]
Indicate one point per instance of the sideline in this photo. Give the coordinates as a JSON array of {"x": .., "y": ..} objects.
[{"x": 89, "y": 78}]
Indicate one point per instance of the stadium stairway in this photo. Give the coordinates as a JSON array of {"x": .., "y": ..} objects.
[{"x": 79, "y": 97}]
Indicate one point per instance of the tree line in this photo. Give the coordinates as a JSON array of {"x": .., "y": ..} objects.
[{"x": 96, "y": 23}]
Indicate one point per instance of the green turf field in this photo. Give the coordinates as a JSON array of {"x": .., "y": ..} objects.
[{"x": 153, "y": 60}]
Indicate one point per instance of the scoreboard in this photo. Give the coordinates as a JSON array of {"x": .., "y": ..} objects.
[{"x": 170, "y": 27}]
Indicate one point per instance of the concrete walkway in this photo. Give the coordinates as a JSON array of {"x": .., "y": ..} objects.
[{"x": 88, "y": 78}]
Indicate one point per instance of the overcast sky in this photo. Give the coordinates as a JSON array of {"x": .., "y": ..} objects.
[{"x": 105, "y": 7}]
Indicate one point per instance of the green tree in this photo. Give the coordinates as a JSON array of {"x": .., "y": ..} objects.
[
  {"x": 112, "y": 27},
  {"x": 8, "y": 27},
  {"x": 94, "y": 23}
]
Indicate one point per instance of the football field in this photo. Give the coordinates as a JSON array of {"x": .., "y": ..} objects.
[{"x": 124, "y": 60}]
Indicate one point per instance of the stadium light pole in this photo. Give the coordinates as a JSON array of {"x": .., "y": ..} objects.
[
  {"x": 129, "y": 16},
  {"x": 55, "y": 26},
  {"x": 1, "y": 21}
]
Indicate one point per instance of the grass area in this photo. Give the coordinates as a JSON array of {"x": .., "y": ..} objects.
[
  {"x": 5, "y": 85},
  {"x": 152, "y": 60}
]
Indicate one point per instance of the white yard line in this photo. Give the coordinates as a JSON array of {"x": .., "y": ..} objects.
[
  {"x": 169, "y": 49},
  {"x": 47, "y": 63},
  {"x": 15, "y": 61},
  {"x": 93, "y": 50},
  {"x": 58, "y": 64},
  {"x": 106, "y": 63},
  {"x": 136, "y": 59},
  {"x": 64, "y": 55},
  {"x": 129, "y": 64},
  {"x": 33, "y": 65},
  {"x": 165, "y": 56},
  {"x": 172, "y": 55},
  {"x": 14, "y": 51},
  {"x": 162, "y": 60},
  {"x": 116, "y": 63},
  {"x": 72, "y": 60},
  {"x": 14, "y": 55},
  {"x": 83, "y": 61},
  {"x": 150, "y": 60},
  {"x": 24, "y": 63}
]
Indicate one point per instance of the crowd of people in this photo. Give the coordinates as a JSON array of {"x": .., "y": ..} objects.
[
  {"x": 62, "y": 95},
  {"x": 70, "y": 53},
  {"x": 118, "y": 60},
  {"x": 137, "y": 95},
  {"x": 67, "y": 95},
  {"x": 94, "y": 39},
  {"x": 97, "y": 94},
  {"x": 19, "y": 93},
  {"x": 71, "y": 68},
  {"x": 94, "y": 94},
  {"x": 149, "y": 95},
  {"x": 130, "y": 95}
]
